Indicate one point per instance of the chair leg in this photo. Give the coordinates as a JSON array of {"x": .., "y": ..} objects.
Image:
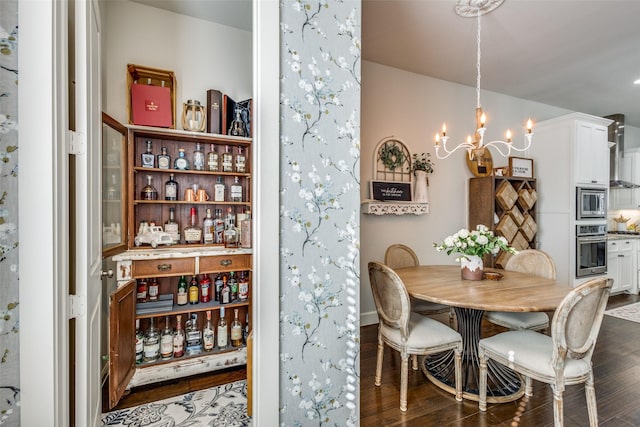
[
  {"x": 528, "y": 386},
  {"x": 458, "y": 373},
  {"x": 404, "y": 381},
  {"x": 452, "y": 319},
  {"x": 414, "y": 362},
  {"x": 558, "y": 413},
  {"x": 482, "y": 392},
  {"x": 378, "y": 379},
  {"x": 592, "y": 407}
]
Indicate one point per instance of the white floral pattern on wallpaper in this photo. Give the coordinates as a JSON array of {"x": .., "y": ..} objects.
[
  {"x": 319, "y": 212},
  {"x": 9, "y": 322}
]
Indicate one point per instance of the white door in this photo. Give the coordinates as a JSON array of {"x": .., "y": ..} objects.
[{"x": 88, "y": 245}]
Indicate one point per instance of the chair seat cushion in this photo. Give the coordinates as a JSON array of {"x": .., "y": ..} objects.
[
  {"x": 529, "y": 320},
  {"x": 533, "y": 352},
  {"x": 424, "y": 333},
  {"x": 420, "y": 306}
]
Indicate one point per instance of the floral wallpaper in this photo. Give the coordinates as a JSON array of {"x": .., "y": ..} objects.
[
  {"x": 9, "y": 324},
  {"x": 319, "y": 212}
]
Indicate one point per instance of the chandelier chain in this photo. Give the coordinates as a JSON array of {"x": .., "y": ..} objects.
[{"x": 478, "y": 62}]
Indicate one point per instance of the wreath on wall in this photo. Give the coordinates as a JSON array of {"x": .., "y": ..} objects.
[{"x": 391, "y": 156}]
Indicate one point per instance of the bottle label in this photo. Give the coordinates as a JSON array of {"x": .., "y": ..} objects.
[
  {"x": 153, "y": 293},
  {"x": 193, "y": 295},
  {"x": 178, "y": 345},
  {"x": 243, "y": 290},
  {"x": 236, "y": 193},
  {"x": 152, "y": 350},
  {"x": 227, "y": 163},
  {"x": 182, "y": 298},
  {"x": 240, "y": 164},
  {"x": 236, "y": 333},
  {"x": 170, "y": 191},
  {"x": 212, "y": 162},
  {"x": 166, "y": 346},
  {"x": 139, "y": 346},
  {"x": 198, "y": 161},
  {"x": 147, "y": 160},
  {"x": 218, "y": 193},
  {"x": 224, "y": 295},
  {"x": 204, "y": 290},
  {"x": 181, "y": 163},
  {"x": 192, "y": 235},
  {"x": 222, "y": 336},
  {"x": 208, "y": 339},
  {"x": 163, "y": 162}
]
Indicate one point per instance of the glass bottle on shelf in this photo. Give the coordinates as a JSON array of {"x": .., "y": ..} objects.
[
  {"x": 212, "y": 159},
  {"x": 183, "y": 293},
  {"x": 154, "y": 289},
  {"x": 233, "y": 287},
  {"x": 164, "y": 160},
  {"x": 245, "y": 231},
  {"x": 148, "y": 160},
  {"x": 217, "y": 287},
  {"x": 139, "y": 343},
  {"x": 142, "y": 290},
  {"x": 218, "y": 190},
  {"x": 151, "y": 343},
  {"x": 181, "y": 162},
  {"x": 198, "y": 158},
  {"x": 178, "y": 338},
  {"x": 227, "y": 160},
  {"x": 223, "y": 333},
  {"x": 218, "y": 228},
  {"x": 225, "y": 292},
  {"x": 112, "y": 189},
  {"x": 236, "y": 190},
  {"x": 149, "y": 192},
  {"x": 237, "y": 127},
  {"x": 166, "y": 340},
  {"x": 207, "y": 228},
  {"x": 193, "y": 232},
  {"x": 205, "y": 288},
  {"x": 241, "y": 161},
  {"x": 194, "y": 335},
  {"x": 243, "y": 286},
  {"x": 172, "y": 227},
  {"x": 236, "y": 330},
  {"x": 230, "y": 230},
  {"x": 171, "y": 189},
  {"x": 208, "y": 334},
  {"x": 194, "y": 291},
  {"x": 245, "y": 332}
]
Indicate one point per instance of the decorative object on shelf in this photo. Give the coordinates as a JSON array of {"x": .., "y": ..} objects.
[
  {"x": 477, "y": 146},
  {"x": 194, "y": 116},
  {"x": 520, "y": 167},
  {"x": 421, "y": 166},
  {"x": 391, "y": 156},
  {"x": 151, "y": 100},
  {"x": 393, "y": 191},
  {"x": 621, "y": 223},
  {"x": 473, "y": 245},
  {"x": 237, "y": 127}
]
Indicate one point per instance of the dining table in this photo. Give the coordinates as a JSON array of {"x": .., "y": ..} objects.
[{"x": 513, "y": 292}]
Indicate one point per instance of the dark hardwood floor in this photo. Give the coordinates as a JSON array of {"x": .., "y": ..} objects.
[{"x": 616, "y": 363}]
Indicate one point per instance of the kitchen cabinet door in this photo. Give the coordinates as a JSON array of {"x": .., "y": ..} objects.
[
  {"x": 592, "y": 154},
  {"x": 122, "y": 340}
]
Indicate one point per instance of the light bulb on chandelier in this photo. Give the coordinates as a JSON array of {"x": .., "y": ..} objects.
[{"x": 475, "y": 146}]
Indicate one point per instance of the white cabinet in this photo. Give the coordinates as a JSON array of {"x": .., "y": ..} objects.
[
  {"x": 591, "y": 154},
  {"x": 621, "y": 268}
]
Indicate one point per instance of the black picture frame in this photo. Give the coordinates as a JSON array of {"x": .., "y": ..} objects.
[{"x": 391, "y": 191}]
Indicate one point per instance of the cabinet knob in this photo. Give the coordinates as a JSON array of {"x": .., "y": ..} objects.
[
  {"x": 164, "y": 267},
  {"x": 225, "y": 262},
  {"x": 106, "y": 274},
  {"x": 620, "y": 255}
]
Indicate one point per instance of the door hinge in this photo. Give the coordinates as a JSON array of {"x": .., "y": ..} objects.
[
  {"x": 76, "y": 306},
  {"x": 77, "y": 142}
]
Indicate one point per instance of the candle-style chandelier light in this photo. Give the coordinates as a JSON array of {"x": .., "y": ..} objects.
[{"x": 475, "y": 146}]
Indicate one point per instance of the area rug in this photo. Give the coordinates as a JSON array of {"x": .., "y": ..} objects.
[
  {"x": 225, "y": 405},
  {"x": 628, "y": 312}
]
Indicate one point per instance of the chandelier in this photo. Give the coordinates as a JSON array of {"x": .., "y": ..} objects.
[{"x": 475, "y": 146}]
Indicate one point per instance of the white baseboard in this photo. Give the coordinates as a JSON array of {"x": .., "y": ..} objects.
[{"x": 369, "y": 318}]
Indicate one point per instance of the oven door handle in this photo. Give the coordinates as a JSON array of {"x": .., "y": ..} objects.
[{"x": 587, "y": 239}]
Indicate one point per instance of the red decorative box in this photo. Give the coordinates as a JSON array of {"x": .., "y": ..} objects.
[{"x": 151, "y": 105}]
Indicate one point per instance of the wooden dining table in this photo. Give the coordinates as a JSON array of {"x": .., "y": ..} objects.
[{"x": 516, "y": 292}]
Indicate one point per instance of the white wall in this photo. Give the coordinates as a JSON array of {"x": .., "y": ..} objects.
[
  {"x": 203, "y": 55},
  {"x": 413, "y": 107}
]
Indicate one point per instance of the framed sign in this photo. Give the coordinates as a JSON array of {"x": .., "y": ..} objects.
[
  {"x": 521, "y": 167},
  {"x": 391, "y": 191}
]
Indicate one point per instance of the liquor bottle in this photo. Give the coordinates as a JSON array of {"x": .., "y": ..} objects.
[
  {"x": 154, "y": 289},
  {"x": 236, "y": 190},
  {"x": 205, "y": 288},
  {"x": 178, "y": 338},
  {"x": 142, "y": 290},
  {"x": 227, "y": 160},
  {"x": 149, "y": 192},
  {"x": 171, "y": 189},
  {"x": 139, "y": 343},
  {"x": 218, "y": 190},
  {"x": 194, "y": 291},
  {"x": 233, "y": 287},
  {"x": 230, "y": 230},
  {"x": 208, "y": 335},
  {"x": 181, "y": 162},
  {"x": 243, "y": 286},
  {"x": 237, "y": 127},
  {"x": 112, "y": 189},
  {"x": 183, "y": 293},
  {"x": 198, "y": 158},
  {"x": 166, "y": 340},
  {"x": 236, "y": 330},
  {"x": 193, "y": 335},
  {"x": 245, "y": 231},
  {"x": 147, "y": 158},
  {"x": 241, "y": 161},
  {"x": 207, "y": 228},
  {"x": 223, "y": 334},
  {"x": 172, "y": 227},
  {"x": 151, "y": 343},
  {"x": 164, "y": 160},
  {"x": 245, "y": 332},
  {"x": 218, "y": 228},
  {"x": 225, "y": 292},
  {"x": 212, "y": 159},
  {"x": 193, "y": 232},
  {"x": 217, "y": 285}
]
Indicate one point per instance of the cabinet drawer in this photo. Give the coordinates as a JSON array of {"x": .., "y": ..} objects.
[
  {"x": 619, "y": 245},
  {"x": 164, "y": 267},
  {"x": 210, "y": 264}
]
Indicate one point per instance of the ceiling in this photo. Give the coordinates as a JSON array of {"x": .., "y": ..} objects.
[{"x": 579, "y": 55}]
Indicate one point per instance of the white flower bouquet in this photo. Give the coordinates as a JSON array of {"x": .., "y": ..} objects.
[{"x": 478, "y": 242}]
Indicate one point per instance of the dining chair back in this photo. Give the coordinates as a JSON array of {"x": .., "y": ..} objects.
[
  {"x": 407, "y": 332},
  {"x": 564, "y": 358}
]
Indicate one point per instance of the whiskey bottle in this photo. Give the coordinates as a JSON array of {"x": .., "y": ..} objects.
[
  {"x": 194, "y": 291},
  {"x": 198, "y": 158},
  {"x": 172, "y": 227},
  {"x": 149, "y": 192},
  {"x": 227, "y": 160},
  {"x": 225, "y": 292},
  {"x": 142, "y": 290},
  {"x": 164, "y": 160},
  {"x": 193, "y": 232},
  {"x": 223, "y": 333},
  {"x": 151, "y": 343},
  {"x": 205, "y": 288},
  {"x": 148, "y": 160},
  {"x": 178, "y": 338},
  {"x": 212, "y": 159},
  {"x": 236, "y": 190},
  {"x": 193, "y": 335},
  {"x": 181, "y": 162},
  {"x": 218, "y": 190},
  {"x": 245, "y": 332},
  {"x": 183, "y": 293},
  {"x": 241, "y": 161},
  {"x": 218, "y": 228},
  {"x": 245, "y": 231},
  {"x": 154, "y": 289},
  {"x": 208, "y": 335},
  {"x": 230, "y": 230},
  {"x": 236, "y": 330},
  {"x": 243, "y": 286},
  {"x": 233, "y": 287},
  {"x": 217, "y": 287},
  {"x": 207, "y": 228},
  {"x": 166, "y": 340},
  {"x": 171, "y": 189},
  {"x": 139, "y": 343}
]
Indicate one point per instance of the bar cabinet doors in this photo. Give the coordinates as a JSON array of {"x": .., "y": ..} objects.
[{"x": 114, "y": 180}]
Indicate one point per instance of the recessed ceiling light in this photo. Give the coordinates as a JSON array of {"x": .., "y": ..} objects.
[{"x": 636, "y": 82}]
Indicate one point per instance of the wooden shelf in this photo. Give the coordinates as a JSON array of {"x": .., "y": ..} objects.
[{"x": 375, "y": 207}]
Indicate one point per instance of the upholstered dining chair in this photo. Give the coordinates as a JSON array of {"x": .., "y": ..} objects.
[
  {"x": 564, "y": 358},
  {"x": 538, "y": 263},
  {"x": 408, "y": 332}
]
